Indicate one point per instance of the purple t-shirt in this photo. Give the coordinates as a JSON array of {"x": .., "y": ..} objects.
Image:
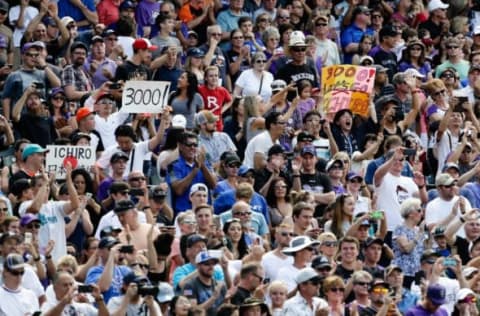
[
  {"x": 145, "y": 14},
  {"x": 420, "y": 311}
]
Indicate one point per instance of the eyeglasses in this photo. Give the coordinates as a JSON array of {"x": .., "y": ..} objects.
[
  {"x": 237, "y": 37},
  {"x": 298, "y": 49},
  {"x": 337, "y": 289},
  {"x": 438, "y": 93},
  {"x": 191, "y": 145},
  {"x": 310, "y": 249},
  {"x": 321, "y": 24},
  {"x": 190, "y": 222},
  {"x": 287, "y": 234},
  {"x": 33, "y": 225},
  {"x": 447, "y": 75},
  {"x": 138, "y": 179},
  {"x": 260, "y": 61},
  {"x": 4, "y": 209},
  {"x": 380, "y": 290},
  {"x": 362, "y": 283},
  {"x": 281, "y": 187},
  {"x": 452, "y": 47},
  {"x": 16, "y": 272},
  {"x": 32, "y": 55},
  {"x": 58, "y": 98},
  {"x": 242, "y": 213},
  {"x": 329, "y": 244},
  {"x": 258, "y": 276}
]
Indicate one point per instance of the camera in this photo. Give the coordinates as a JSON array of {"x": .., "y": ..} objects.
[
  {"x": 115, "y": 86},
  {"x": 85, "y": 288},
  {"x": 136, "y": 191},
  {"x": 399, "y": 115},
  {"x": 38, "y": 85},
  {"x": 145, "y": 290},
  {"x": 126, "y": 249}
]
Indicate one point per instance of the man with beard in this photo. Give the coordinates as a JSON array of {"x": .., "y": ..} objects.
[
  {"x": 203, "y": 289},
  {"x": 276, "y": 258},
  {"x": 215, "y": 143},
  {"x": 380, "y": 301},
  {"x": 381, "y": 86},
  {"x": 75, "y": 80}
]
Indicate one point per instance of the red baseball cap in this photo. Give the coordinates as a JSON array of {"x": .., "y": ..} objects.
[
  {"x": 82, "y": 113},
  {"x": 143, "y": 43}
]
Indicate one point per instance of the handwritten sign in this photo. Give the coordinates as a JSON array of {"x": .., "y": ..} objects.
[
  {"x": 145, "y": 96},
  {"x": 78, "y": 156},
  {"x": 347, "y": 87}
]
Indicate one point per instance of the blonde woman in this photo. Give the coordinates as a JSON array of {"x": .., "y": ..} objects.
[{"x": 277, "y": 292}]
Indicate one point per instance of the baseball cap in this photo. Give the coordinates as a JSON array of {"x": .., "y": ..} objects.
[
  {"x": 204, "y": 256},
  {"x": 127, "y": 4},
  {"x": 439, "y": 231},
  {"x": 474, "y": 67},
  {"x": 205, "y": 116},
  {"x": 109, "y": 32},
  {"x": 278, "y": 85},
  {"x": 463, "y": 293},
  {"x": 143, "y": 43},
  {"x": 36, "y": 44},
  {"x": 309, "y": 149},
  {"x": 388, "y": 30},
  {"x": 244, "y": 170},
  {"x": 353, "y": 175},
  {"x": 444, "y": 179},
  {"x": 66, "y": 20},
  {"x": 414, "y": 73},
  {"x": 332, "y": 162},
  {"x": 165, "y": 292},
  {"x": 82, "y": 113},
  {"x": 104, "y": 95},
  {"x": 370, "y": 241},
  {"x": 55, "y": 91},
  {"x": 468, "y": 272},
  {"x": 436, "y": 293},
  {"x": 307, "y": 274},
  {"x": 198, "y": 187},
  {"x": 365, "y": 58},
  {"x": 31, "y": 149},
  {"x": 107, "y": 242},
  {"x": 297, "y": 38},
  {"x": 4, "y": 6},
  {"x": 195, "y": 52},
  {"x": 193, "y": 239},
  {"x": 119, "y": 155},
  {"x": 14, "y": 262},
  {"x": 392, "y": 268},
  {"x": 380, "y": 68},
  {"x": 192, "y": 33},
  {"x": 179, "y": 121},
  {"x": 97, "y": 38},
  {"x": 158, "y": 193},
  {"x": 132, "y": 277},
  {"x": 108, "y": 230},
  {"x": 28, "y": 218},
  {"x": 436, "y": 4},
  {"x": 123, "y": 206},
  {"x": 78, "y": 44},
  {"x": 429, "y": 254},
  {"x": 449, "y": 166},
  {"x": 320, "y": 261},
  {"x": 232, "y": 158},
  {"x": 77, "y": 136}
]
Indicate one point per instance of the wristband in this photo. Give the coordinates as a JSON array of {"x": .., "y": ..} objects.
[
  {"x": 49, "y": 257},
  {"x": 36, "y": 259},
  {"x": 145, "y": 207},
  {"x": 421, "y": 186},
  {"x": 462, "y": 219}
]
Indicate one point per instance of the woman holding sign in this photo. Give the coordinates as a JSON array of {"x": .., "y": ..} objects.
[{"x": 186, "y": 100}]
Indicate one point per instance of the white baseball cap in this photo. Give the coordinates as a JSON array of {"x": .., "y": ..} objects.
[{"x": 436, "y": 4}]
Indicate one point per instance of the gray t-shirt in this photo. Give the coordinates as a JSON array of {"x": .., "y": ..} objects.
[
  {"x": 181, "y": 107},
  {"x": 162, "y": 42}
]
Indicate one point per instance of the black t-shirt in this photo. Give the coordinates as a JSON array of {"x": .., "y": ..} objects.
[
  {"x": 291, "y": 72},
  {"x": 462, "y": 249},
  {"x": 262, "y": 176},
  {"x": 100, "y": 146},
  {"x": 38, "y": 129},
  {"x": 240, "y": 295},
  {"x": 316, "y": 183},
  {"x": 434, "y": 29},
  {"x": 232, "y": 57},
  {"x": 387, "y": 60},
  {"x": 343, "y": 273},
  {"x": 129, "y": 70},
  {"x": 17, "y": 176}
]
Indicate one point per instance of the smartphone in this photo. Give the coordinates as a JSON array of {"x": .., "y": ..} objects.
[
  {"x": 376, "y": 215},
  {"x": 409, "y": 152},
  {"x": 136, "y": 191},
  {"x": 126, "y": 249},
  {"x": 449, "y": 262},
  {"x": 38, "y": 85},
  {"x": 28, "y": 238},
  {"x": 216, "y": 253},
  {"x": 266, "y": 280},
  {"x": 88, "y": 195},
  {"x": 115, "y": 86},
  {"x": 10, "y": 66},
  {"x": 83, "y": 288},
  {"x": 419, "y": 276}
]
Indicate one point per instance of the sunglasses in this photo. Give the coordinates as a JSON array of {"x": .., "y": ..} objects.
[
  {"x": 209, "y": 263},
  {"x": 138, "y": 179},
  {"x": 324, "y": 269},
  {"x": 58, "y": 98},
  {"x": 447, "y": 76},
  {"x": 438, "y": 93},
  {"x": 329, "y": 244},
  {"x": 362, "y": 283},
  {"x": 287, "y": 234},
  {"x": 34, "y": 225},
  {"x": 191, "y": 145},
  {"x": 310, "y": 249},
  {"x": 321, "y": 24},
  {"x": 337, "y": 289},
  {"x": 141, "y": 265},
  {"x": 380, "y": 290},
  {"x": 299, "y": 49},
  {"x": 452, "y": 47},
  {"x": 260, "y": 61},
  {"x": 4, "y": 209},
  {"x": 284, "y": 17},
  {"x": 242, "y": 213},
  {"x": 190, "y": 222},
  {"x": 16, "y": 272},
  {"x": 233, "y": 165}
]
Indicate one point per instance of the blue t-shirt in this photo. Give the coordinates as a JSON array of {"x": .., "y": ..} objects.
[
  {"x": 225, "y": 201},
  {"x": 93, "y": 275},
  {"x": 352, "y": 34},
  {"x": 420, "y": 311},
  {"x": 182, "y": 271},
  {"x": 66, "y": 8}
]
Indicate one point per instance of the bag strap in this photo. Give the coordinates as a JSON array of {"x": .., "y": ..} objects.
[{"x": 261, "y": 83}]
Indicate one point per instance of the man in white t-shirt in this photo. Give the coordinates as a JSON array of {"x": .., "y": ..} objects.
[
  {"x": 274, "y": 259},
  {"x": 51, "y": 213},
  {"x": 391, "y": 188},
  {"x": 438, "y": 210},
  {"x": 257, "y": 147},
  {"x": 301, "y": 248},
  {"x": 15, "y": 299}
]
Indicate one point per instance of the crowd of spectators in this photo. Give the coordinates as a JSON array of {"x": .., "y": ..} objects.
[{"x": 246, "y": 195}]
